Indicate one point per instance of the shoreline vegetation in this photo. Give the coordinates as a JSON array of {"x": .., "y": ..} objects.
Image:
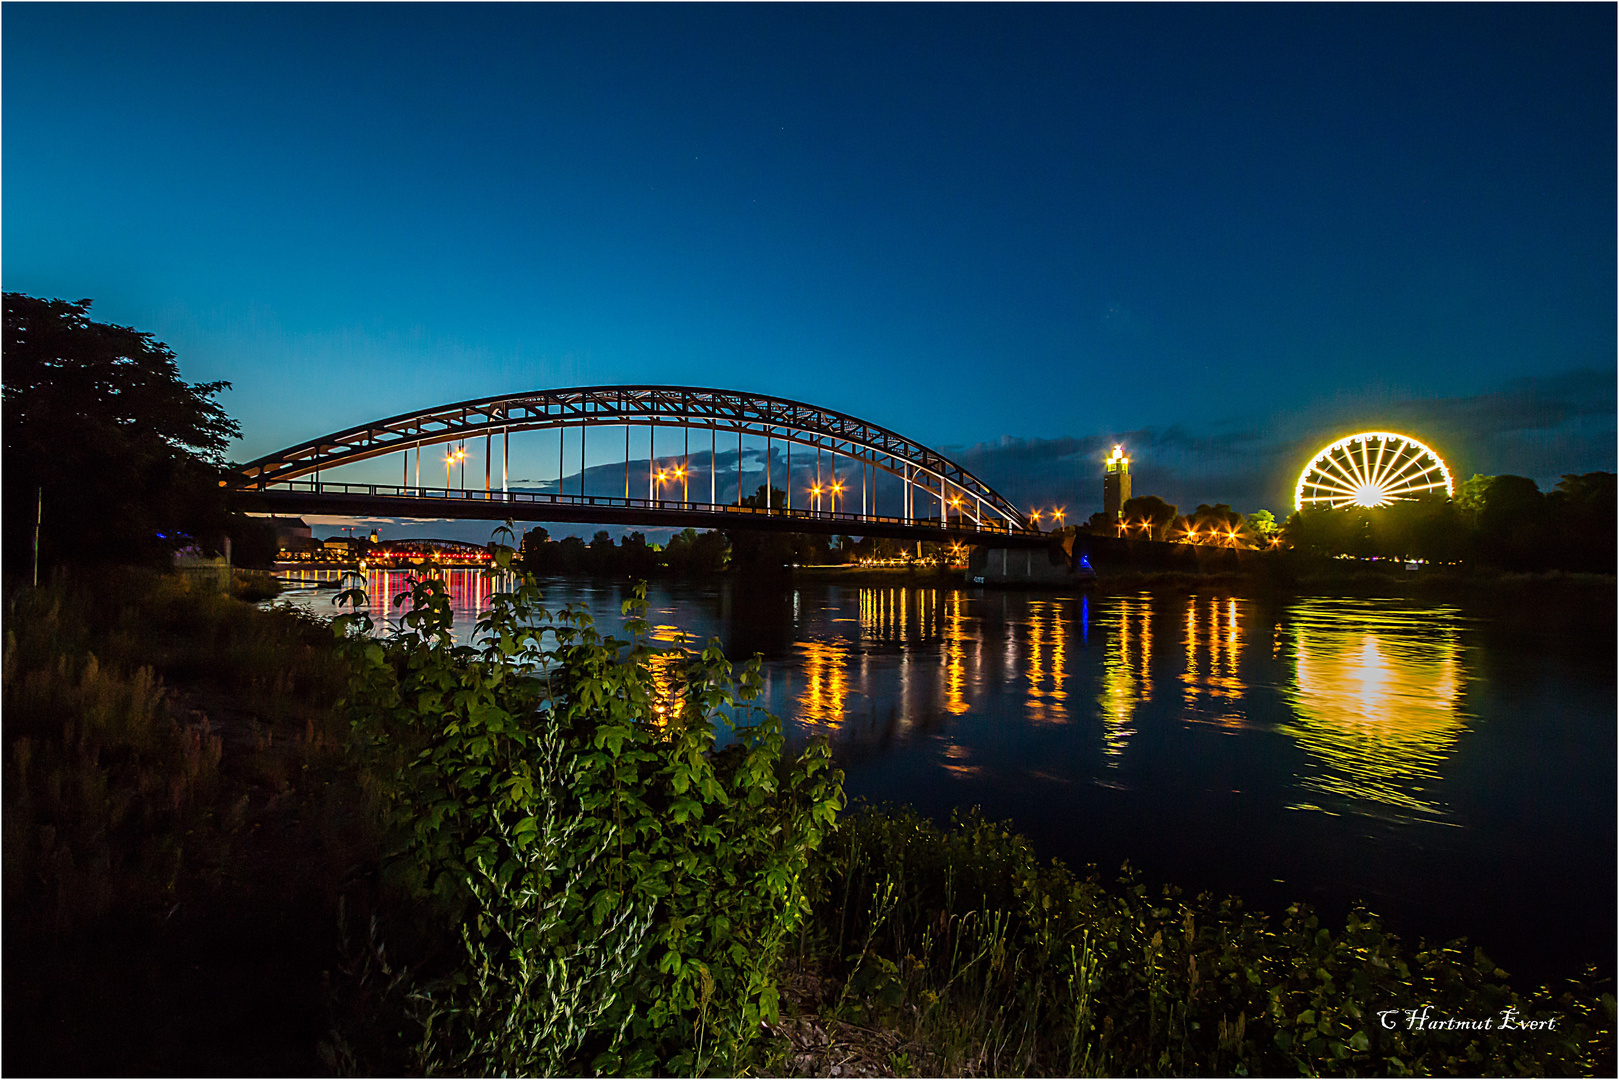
[{"x": 236, "y": 843}]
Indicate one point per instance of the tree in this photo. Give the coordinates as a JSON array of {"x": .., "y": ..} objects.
[
  {"x": 1581, "y": 510},
  {"x": 1263, "y": 524},
  {"x": 571, "y": 555},
  {"x": 120, "y": 455},
  {"x": 1148, "y": 517},
  {"x": 1470, "y": 499},
  {"x": 1511, "y": 522},
  {"x": 710, "y": 551},
  {"x": 635, "y": 556},
  {"x": 602, "y": 555},
  {"x": 1218, "y": 524},
  {"x": 1101, "y": 523},
  {"x": 691, "y": 552},
  {"x": 1322, "y": 530},
  {"x": 768, "y": 552}
]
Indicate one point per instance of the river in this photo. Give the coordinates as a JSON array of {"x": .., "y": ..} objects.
[{"x": 1453, "y": 769}]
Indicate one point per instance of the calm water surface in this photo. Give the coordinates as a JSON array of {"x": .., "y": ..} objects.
[{"x": 1454, "y": 770}]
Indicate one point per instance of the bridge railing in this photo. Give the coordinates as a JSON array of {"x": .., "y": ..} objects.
[{"x": 318, "y": 487}]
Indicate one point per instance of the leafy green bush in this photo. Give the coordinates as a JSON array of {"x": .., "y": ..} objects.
[
  {"x": 993, "y": 962},
  {"x": 621, "y": 887}
]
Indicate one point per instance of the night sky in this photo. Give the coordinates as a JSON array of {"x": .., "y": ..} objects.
[{"x": 1223, "y": 235}]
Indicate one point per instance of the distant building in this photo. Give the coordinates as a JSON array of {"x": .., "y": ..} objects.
[
  {"x": 294, "y": 534},
  {"x": 1116, "y": 485}
]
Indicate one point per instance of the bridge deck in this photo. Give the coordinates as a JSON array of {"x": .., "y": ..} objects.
[{"x": 382, "y": 500}]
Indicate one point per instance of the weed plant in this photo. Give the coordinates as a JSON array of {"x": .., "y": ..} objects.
[
  {"x": 991, "y": 962},
  {"x": 610, "y": 831}
]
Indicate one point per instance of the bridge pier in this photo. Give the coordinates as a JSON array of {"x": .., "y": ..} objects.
[{"x": 1056, "y": 566}]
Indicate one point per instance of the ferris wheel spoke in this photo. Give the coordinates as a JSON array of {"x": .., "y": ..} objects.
[
  {"x": 1357, "y": 467},
  {"x": 1330, "y": 468},
  {"x": 1365, "y": 465},
  {"x": 1354, "y": 482},
  {"x": 1327, "y": 484},
  {"x": 1403, "y": 465},
  {"x": 1330, "y": 491},
  {"x": 1383, "y": 470},
  {"x": 1411, "y": 485},
  {"x": 1383, "y": 450},
  {"x": 1406, "y": 468}
]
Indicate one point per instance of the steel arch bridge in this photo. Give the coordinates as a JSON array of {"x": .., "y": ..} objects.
[{"x": 938, "y": 497}]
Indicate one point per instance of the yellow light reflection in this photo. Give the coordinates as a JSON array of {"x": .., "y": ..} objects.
[
  {"x": 1126, "y": 681},
  {"x": 955, "y": 760},
  {"x": 1377, "y": 700},
  {"x": 826, "y": 684},
  {"x": 955, "y": 653},
  {"x": 1046, "y": 670},
  {"x": 885, "y": 616},
  {"x": 1214, "y": 691},
  {"x": 668, "y": 685}
]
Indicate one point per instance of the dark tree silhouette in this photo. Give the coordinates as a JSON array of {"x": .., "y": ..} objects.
[
  {"x": 1155, "y": 514},
  {"x": 123, "y": 456},
  {"x": 754, "y": 551},
  {"x": 1495, "y": 522}
]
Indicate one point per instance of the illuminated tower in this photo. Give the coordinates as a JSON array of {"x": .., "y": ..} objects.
[{"x": 1116, "y": 484}]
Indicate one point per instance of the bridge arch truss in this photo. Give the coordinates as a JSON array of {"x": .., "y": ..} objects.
[{"x": 929, "y": 479}]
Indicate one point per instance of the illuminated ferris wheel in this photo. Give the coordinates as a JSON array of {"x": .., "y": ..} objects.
[{"x": 1374, "y": 468}]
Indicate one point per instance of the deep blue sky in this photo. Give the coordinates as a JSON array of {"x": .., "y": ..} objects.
[{"x": 1228, "y": 234}]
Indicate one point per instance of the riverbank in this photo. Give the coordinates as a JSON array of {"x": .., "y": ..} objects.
[
  {"x": 890, "y": 576},
  {"x": 180, "y": 829},
  {"x": 1354, "y": 580}
]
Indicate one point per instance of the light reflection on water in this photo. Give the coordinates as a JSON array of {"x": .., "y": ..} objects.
[
  {"x": 1377, "y": 701},
  {"x": 1213, "y": 690},
  {"x": 1348, "y": 748},
  {"x": 1046, "y": 671},
  {"x": 1125, "y": 679},
  {"x": 1375, "y": 693},
  {"x": 317, "y": 590}
]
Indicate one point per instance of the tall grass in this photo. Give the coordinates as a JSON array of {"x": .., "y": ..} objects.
[
  {"x": 986, "y": 961},
  {"x": 114, "y": 797}
]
